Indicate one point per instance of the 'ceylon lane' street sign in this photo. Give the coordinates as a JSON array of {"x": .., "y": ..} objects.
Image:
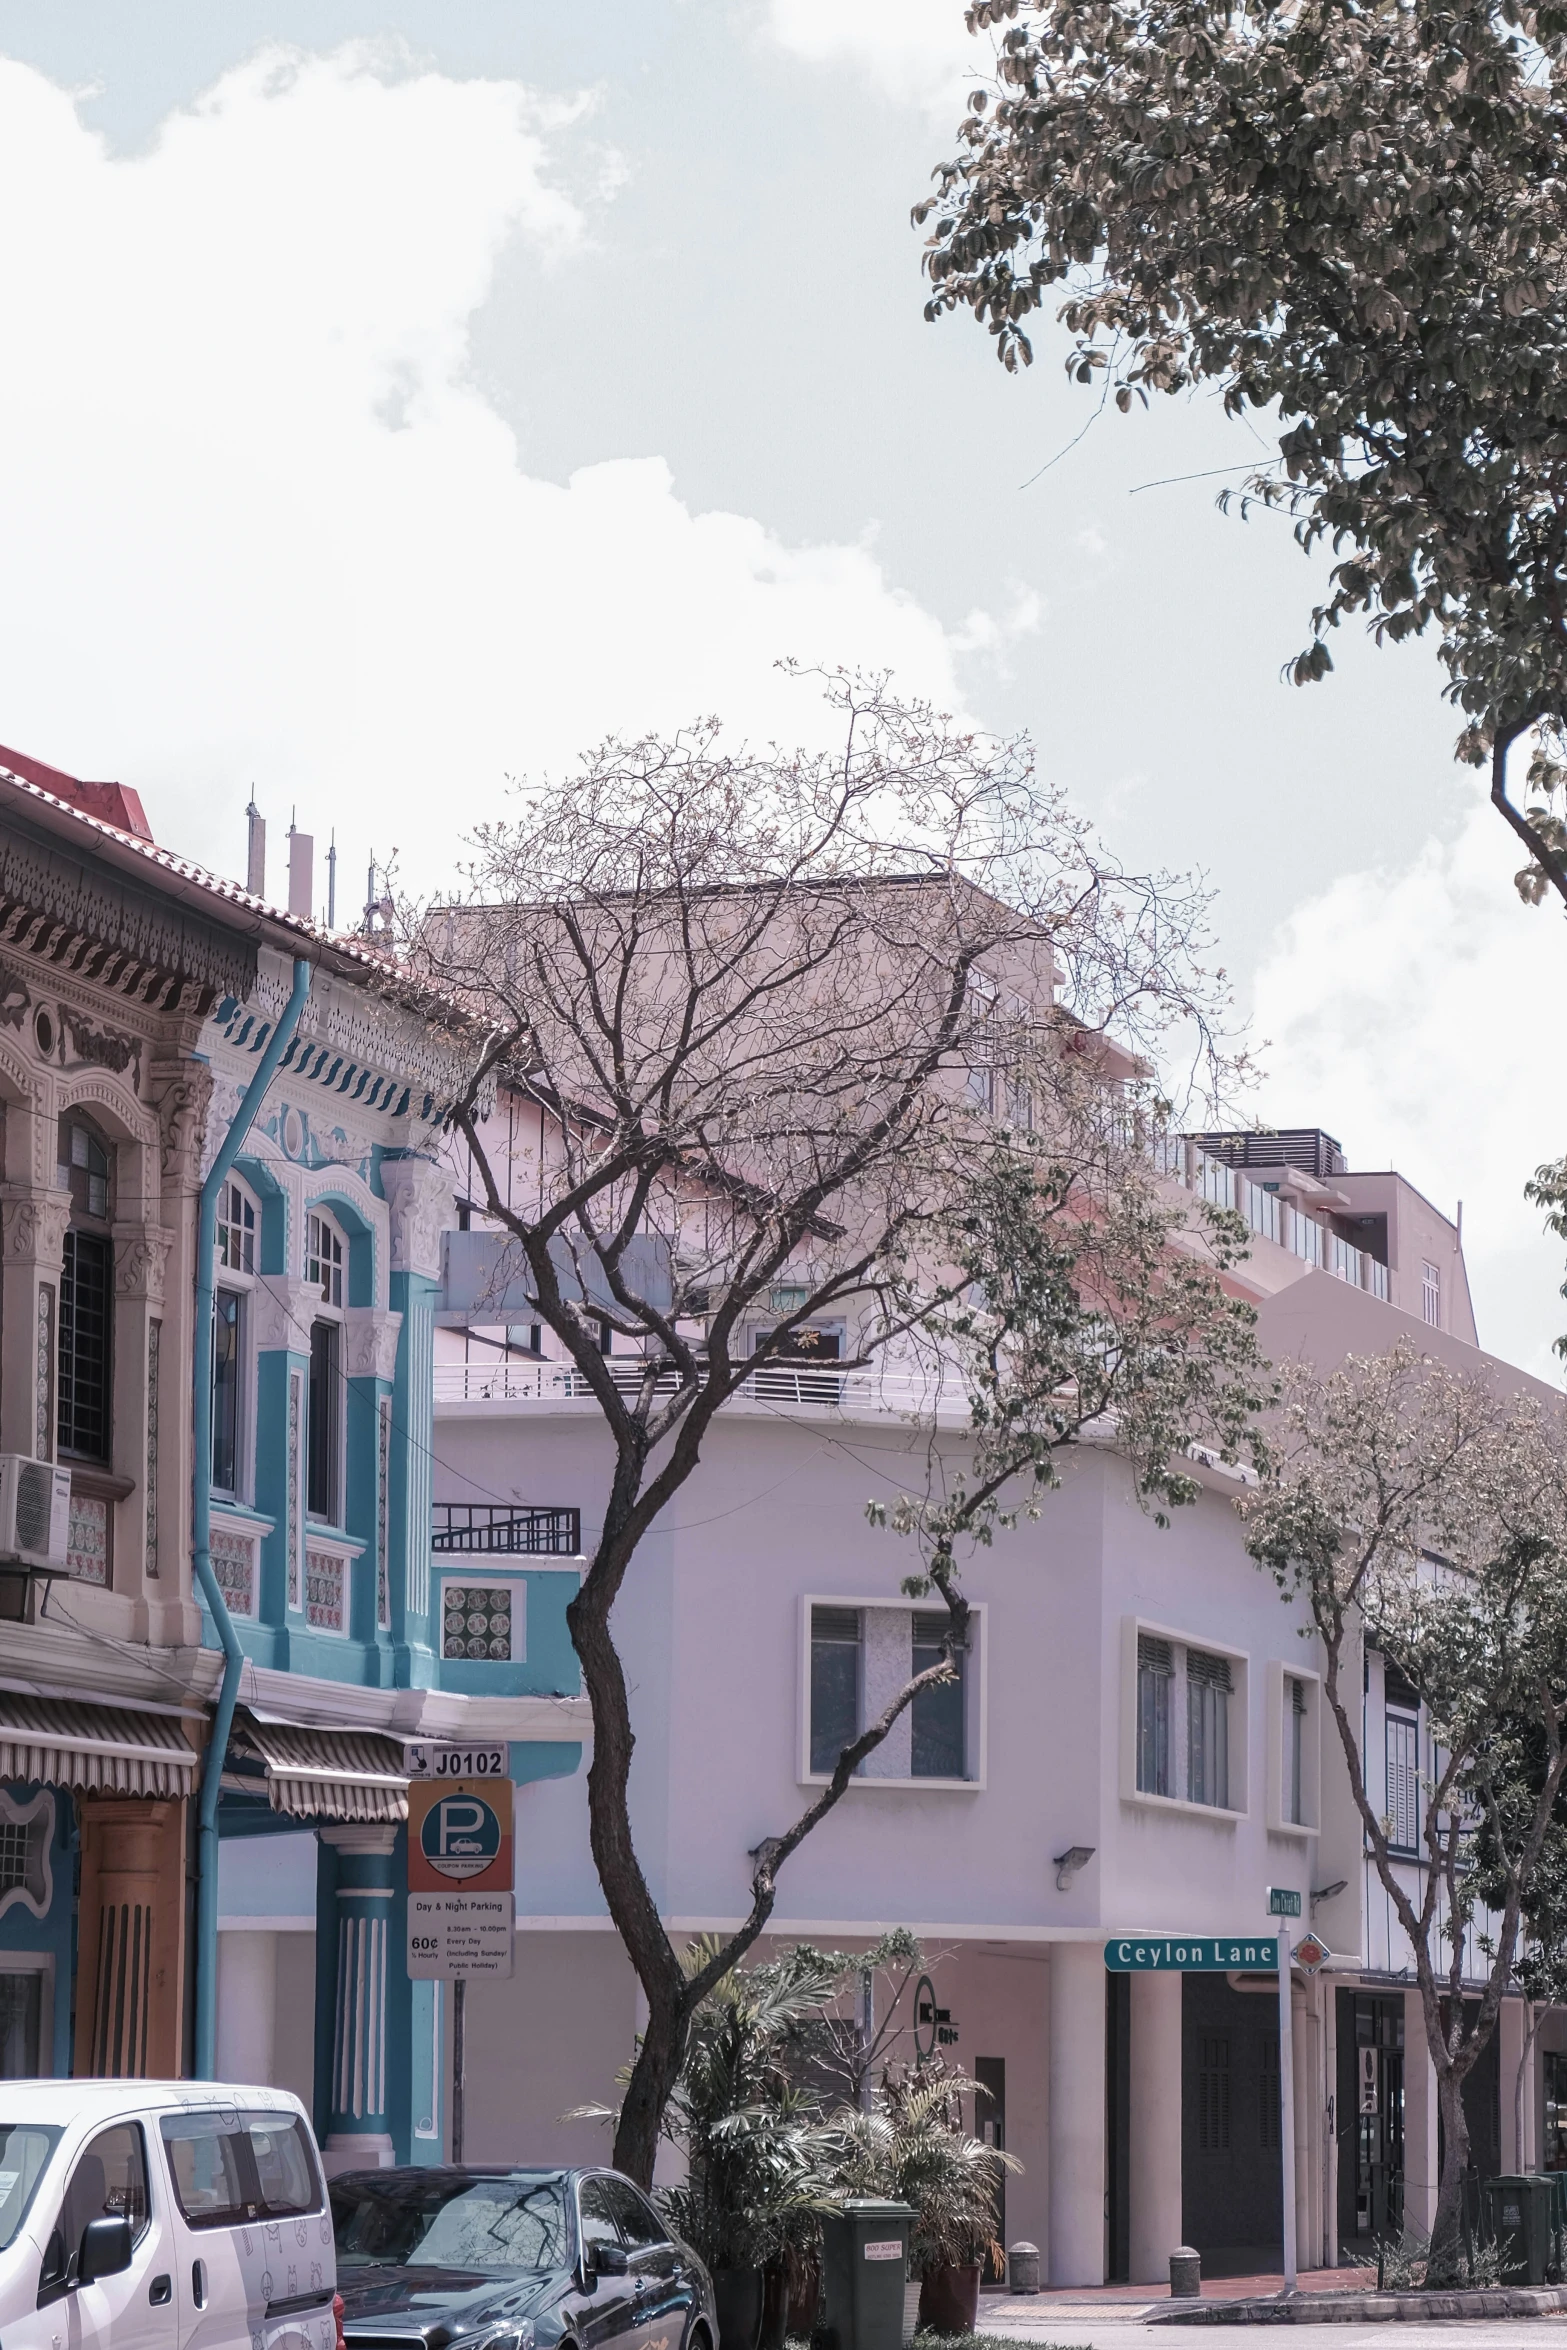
[{"x": 1191, "y": 1954}]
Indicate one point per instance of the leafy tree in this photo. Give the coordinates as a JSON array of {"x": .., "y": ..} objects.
[
  {"x": 1356, "y": 215},
  {"x": 1422, "y": 1512},
  {"x": 771, "y": 1018}
]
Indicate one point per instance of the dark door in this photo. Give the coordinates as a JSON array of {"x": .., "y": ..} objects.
[
  {"x": 607, "y": 2313},
  {"x": 661, "y": 2282},
  {"x": 1370, "y": 2119},
  {"x": 1231, "y": 2168},
  {"x": 990, "y": 2123}
]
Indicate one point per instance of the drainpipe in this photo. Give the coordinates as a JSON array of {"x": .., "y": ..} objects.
[{"x": 201, "y": 1531}]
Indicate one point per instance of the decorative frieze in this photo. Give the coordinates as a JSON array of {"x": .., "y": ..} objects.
[
  {"x": 104, "y": 1047},
  {"x": 87, "y": 1544},
  {"x": 296, "y": 1414},
  {"x": 326, "y": 1590},
  {"x": 383, "y": 1495},
  {"x": 234, "y": 1566},
  {"x": 119, "y": 935},
  {"x": 154, "y": 1347},
  {"x": 181, "y": 1096},
  {"x": 43, "y": 1381}
]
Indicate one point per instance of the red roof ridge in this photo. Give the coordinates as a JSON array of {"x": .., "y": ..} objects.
[{"x": 111, "y": 803}]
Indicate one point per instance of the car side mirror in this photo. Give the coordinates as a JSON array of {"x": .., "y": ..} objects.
[
  {"x": 606, "y": 2260},
  {"x": 106, "y": 2248}
]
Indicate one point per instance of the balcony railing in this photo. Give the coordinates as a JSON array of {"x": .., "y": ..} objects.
[
  {"x": 1268, "y": 1216},
  {"x": 881, "y": 1387},
  {"x": 510, "y": 1531}
]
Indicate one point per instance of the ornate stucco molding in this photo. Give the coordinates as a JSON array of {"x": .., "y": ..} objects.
[
  {"x": 419, "y": 1195},
  {"x": 141, "y": 1253},
  {"x": 283, "y": 1307},
  {"x": 33, "y": 1225},
  {"x": 370, "y": 1347}
]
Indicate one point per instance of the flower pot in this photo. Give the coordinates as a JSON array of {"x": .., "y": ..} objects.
[
  {"x": 775, "y": 2308},
  {"x": 737, "y": 2299},
  {"x": 949, "y": 2300}
]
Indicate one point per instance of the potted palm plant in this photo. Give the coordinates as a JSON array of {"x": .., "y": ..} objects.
[
  {"x": 759, "y": 2157},
  {"x": 912, "y": 2147}
]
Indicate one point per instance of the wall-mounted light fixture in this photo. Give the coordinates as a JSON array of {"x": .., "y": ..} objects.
[
  {"x": 1067, "y": 1864},
  {"x": 1326, "y": 1892}
]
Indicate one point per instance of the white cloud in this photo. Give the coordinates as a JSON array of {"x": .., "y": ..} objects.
[
  {"x": 1409, "y": 1014},
  {"x": 917, "y": 52},
  {"x": 259, "y": 523}
]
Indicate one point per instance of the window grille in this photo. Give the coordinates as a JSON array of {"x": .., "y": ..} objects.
[
  {"x": 1403, "y": 1784},
  {"x": 324, "y": 1260},
  {"x": 1155, "y": 1672},
  {"x": 1296, "y": 1733},
  {"x": 1208, "y": 1686},
  {"x": 1268, "y": 2115},
  {"x": 86, "y": 1292},
  {"x": 323, "y": 1424},
  {"x": 937, "y": 1744},
  {"x": 835, "y": 1683},
  {"x": 1213, "y": 2096},
  {"x": 236, "y": 1231}
]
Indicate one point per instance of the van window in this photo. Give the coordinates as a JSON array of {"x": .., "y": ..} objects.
[
  {"x": 229, "y": 2167},
  {"x": 109, "y": 2182},
  {"x": 25, "y": 2148}
]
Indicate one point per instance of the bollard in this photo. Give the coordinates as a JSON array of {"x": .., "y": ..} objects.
[
  {"x": 1185, "y": 2273},
  {"x": 1023, "y": 2268}
]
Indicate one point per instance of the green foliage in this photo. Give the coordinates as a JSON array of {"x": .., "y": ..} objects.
[
  {"x": 760, "y": 2158},
  {"x": 912, "y": 2148},
  {"x": 1354, "y": 214}
]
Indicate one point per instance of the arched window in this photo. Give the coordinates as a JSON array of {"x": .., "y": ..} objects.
[
  {"x": 230, "y": 1335},
  {"x": 83, "y": 1419},
  {"x": 324, "y": 1253}
]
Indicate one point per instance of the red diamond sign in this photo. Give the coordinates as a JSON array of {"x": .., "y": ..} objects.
[{"x": 1310, "y": 1951}]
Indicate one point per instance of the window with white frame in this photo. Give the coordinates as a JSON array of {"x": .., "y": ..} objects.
[
  {"x": 860, "y": 1656},
  {"x": 230, "y": 1336},
  {"x": 1210, "y": 1684},
  {"x": 1431, "y": 1295},
  {"x": 1184, "y": 1724},
  {"x": 324, "y": 1258},
  {"x": 324, "y": 1255},
  {"x": 1295, "y": 1750},
  {"x": 1155, "y": 1681}
]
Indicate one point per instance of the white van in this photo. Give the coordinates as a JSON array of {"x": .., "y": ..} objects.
[{"x": 162, "y": 2215}]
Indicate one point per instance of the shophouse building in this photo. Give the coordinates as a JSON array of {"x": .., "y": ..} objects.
[
  {"x": 1138, "y": 1748},
  {"x": 138, "y": 995}
]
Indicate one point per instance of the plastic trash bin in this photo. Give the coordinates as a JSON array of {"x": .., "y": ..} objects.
[
  {"x": 865, "y": 2254},
  {"x": 1516, "y": 2213}
]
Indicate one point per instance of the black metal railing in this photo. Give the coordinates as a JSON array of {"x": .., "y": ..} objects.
[{"x": 514, "y": 1530}]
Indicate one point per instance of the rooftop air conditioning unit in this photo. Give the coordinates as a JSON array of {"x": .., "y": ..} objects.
[{"x": 35, "y": 1511}]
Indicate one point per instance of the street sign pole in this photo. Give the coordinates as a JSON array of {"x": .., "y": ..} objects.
[{"x": 459, "y": 2060}]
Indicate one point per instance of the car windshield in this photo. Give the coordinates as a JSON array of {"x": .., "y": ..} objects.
[
  {"x": 505, "y": 2225},
  {"x": 25, "y": 2148}
]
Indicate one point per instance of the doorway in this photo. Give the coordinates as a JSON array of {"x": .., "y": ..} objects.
[
  {"x": 990, "y": 2123},
  {"x": 1370, "y": 2119}
]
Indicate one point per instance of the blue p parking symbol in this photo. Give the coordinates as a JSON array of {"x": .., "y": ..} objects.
[{"x": 461, "y": 1836}]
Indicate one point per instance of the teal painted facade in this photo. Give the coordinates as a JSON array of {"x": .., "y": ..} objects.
[{"x": 346, "y": 1595}]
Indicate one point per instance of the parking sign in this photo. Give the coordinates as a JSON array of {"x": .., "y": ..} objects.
[{"x": 460, "y": 1836}]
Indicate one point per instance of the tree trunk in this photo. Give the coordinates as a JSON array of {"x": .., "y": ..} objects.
[
  {"x": 652, "y": 2082},
  {"x": 1447, "y": 2228}
]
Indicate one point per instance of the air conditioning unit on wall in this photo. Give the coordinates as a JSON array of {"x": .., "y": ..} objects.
[{"x": 35, "y": 1511}]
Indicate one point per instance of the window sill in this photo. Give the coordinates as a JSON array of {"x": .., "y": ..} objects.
[
  {"x": 1222, "y": 1813},
  {"x": 1293, "y": 1828},
  {"x": 96, "y": 1481},
  {"x": 937, "y": 1786}
]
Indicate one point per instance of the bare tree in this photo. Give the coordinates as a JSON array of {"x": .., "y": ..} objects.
[
  {"x": 1422, "y": 1511},
  {"x": 778, "y": 1013}
]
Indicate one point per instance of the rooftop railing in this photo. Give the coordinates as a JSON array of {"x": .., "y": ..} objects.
[
  {"x": 511, "y": 1530},
  {"x": 1267, "y": 1215}
]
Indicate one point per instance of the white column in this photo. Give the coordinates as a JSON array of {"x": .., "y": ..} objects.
[
  {"x": 1155, "y": 2150},
  {"x": 247, "y": 2007},
  {"x": 1511, "y": 2026},
  {"x": 1421, "y": 2174},
  {"x": 1077, "y": 2114}
]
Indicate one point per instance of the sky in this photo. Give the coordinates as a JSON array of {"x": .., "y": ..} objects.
[{"x": 401, "y": 395}]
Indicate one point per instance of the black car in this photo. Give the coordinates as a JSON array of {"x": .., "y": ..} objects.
[{"x": 466, "y": 2258}]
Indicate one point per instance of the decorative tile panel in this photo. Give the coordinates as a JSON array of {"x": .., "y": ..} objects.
[
  {"x": 234, "y": 1565},
  {"x": 326, "y": 1590},
  {"x": 291, "y": 1526},
  {"x": 476, "y": 1621},
  {"x": 87, "y": 1547}
]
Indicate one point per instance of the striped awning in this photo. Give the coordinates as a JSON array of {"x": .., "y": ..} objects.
[
  {"x": 67, "y": 1743},
  {"x": 325, "y": 1774}
]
